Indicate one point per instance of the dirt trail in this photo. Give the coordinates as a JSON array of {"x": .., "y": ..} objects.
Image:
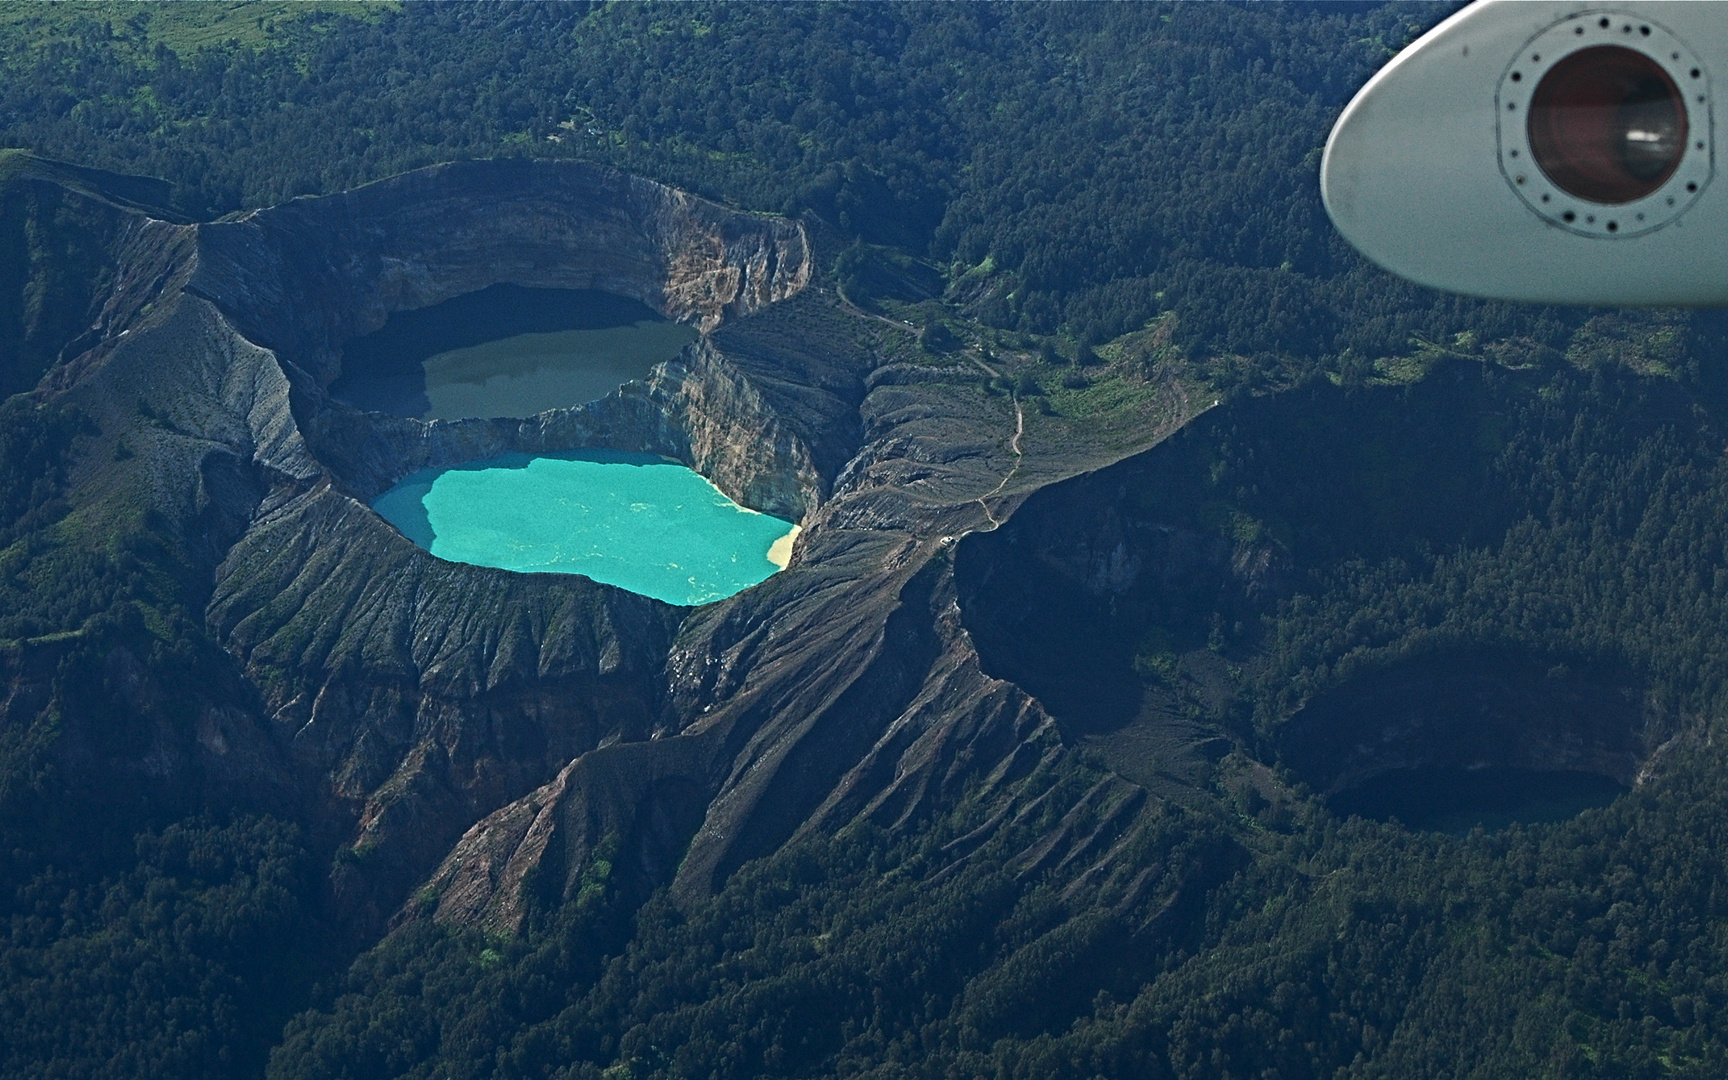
[
  {"x": 972, "y": 355},
  {"x": 854, "y": 309},
  {"x": 1013, "y": 444}
]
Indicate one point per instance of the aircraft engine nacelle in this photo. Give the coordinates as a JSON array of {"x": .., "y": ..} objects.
[{"x": 1550, "y": 152}]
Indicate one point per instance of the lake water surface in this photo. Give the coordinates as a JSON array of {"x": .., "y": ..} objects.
[
  {"x": 506, "y": 351},
  {"x": 1453, "y": 800},
  {"x": 642, "y": 523}
]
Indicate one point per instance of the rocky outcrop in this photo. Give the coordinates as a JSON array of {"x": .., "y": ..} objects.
[{"x": 636, "y": 802}]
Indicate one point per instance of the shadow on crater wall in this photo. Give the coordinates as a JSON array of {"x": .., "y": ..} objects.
[
  {"x": 1134, "y": 598},
  {"x": 1186, "y": 546},
  {"x": 1047, "y": 633}
]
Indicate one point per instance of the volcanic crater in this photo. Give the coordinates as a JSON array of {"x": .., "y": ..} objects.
[
  {"x": 453, "y": 732},
  {"x": 1141, "y": 603}
]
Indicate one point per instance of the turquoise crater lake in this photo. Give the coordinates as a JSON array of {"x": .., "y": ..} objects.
[{"x": 642, "y": 523}]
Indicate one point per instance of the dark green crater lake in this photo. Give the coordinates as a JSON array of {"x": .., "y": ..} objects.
[
  {"x": 1456, "y": 800},
  {"x": 506, "y": 351},
  {"x": 642, "y": 523}
]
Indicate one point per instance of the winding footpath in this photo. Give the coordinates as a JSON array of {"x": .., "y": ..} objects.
[
  {"x": 1013, "y": 444},
  {"x": 971, "y": 354}
]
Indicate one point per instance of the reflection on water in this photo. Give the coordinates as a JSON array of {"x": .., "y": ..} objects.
[
  {"x": 1453, "y": 800},
  {"x": 639, "y": 522},
  {"x": 506, "y": 351}
]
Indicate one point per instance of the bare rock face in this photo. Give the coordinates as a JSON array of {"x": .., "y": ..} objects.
[
  {"x": 635, "y": 803},
  {"x": 475, "y": 742}
]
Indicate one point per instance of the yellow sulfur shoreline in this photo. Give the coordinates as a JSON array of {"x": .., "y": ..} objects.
[{"x": 780, "y": 551}]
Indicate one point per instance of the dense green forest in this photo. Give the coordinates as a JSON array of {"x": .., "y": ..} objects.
[{"x": 1068, "y": 172}]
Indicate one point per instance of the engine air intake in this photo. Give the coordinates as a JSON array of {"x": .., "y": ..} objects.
[{"x": 1607, "y": 124}]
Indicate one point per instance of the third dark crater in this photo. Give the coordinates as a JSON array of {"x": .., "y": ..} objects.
[{"x": 1471, "y": 738}]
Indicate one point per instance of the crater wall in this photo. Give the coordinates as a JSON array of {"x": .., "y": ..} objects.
[
  {"x": 1150, "y": 605},
  {"x": 1469, "y": 710},
  {"x": 426, "y": 693},
  {"x": 305, "y": 277}
]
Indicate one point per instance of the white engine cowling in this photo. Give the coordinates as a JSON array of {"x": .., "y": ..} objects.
[{"x": 1550, "y": 152}]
